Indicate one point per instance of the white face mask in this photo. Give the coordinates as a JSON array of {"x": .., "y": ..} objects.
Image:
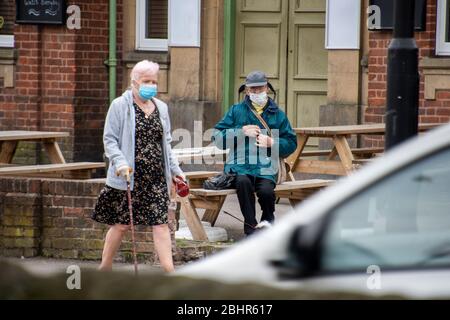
[{"x": 259, "y": 98}]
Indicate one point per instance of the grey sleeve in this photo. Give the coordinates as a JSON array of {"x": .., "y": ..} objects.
[{"x": 111, "y": 136}]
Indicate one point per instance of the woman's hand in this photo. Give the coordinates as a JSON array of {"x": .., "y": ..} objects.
[
  {"x": 175, "y": 178},
  {"x": 124, "y": 171}
]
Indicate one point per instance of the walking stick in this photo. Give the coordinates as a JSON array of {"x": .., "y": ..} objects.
[
  {"x": 130, "y": 208},
  {"x": 253, "y": 227}
]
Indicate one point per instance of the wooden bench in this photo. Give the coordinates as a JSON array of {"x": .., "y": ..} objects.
[
  {"x": 213, "y": 200},
  {"x": 76, "y": 170},
  {"x": 362, "y": 152}
]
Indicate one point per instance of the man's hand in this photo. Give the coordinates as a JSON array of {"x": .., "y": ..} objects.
[
  {"x": 251, "y": 130},
  {"x": 124, "y": 171},
  {"x": 264, "y": 141}
]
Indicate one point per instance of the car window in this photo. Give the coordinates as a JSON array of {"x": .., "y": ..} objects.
[{"x": 403, "y": 221}]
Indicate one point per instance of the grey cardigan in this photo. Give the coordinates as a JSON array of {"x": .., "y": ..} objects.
[{"x": 119, "y": 140}]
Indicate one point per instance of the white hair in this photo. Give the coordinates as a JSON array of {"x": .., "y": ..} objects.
[{"x": 142, "y": 68}]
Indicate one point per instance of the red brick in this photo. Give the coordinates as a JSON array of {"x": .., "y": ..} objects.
[
  {"x": 443, "y": 112},
  {"x": 442, "y": 95},
  {"x": 73, "y": 212}
]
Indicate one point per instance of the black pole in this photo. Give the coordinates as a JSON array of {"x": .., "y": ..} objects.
[{"x": 402, "y": 98}]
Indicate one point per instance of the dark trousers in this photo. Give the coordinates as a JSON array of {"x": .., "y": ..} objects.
[{"x": 246, "y": 186}]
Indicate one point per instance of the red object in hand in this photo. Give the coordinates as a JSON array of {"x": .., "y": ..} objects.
[{"x": 181, "y": 187}]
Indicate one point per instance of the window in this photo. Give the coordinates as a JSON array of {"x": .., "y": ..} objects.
[
  {"x": 6, "y": 41},
  {"x": 152, "y": 25},
  {"x": 402, "y": 222},
  {"x": 443, "y": 28}
]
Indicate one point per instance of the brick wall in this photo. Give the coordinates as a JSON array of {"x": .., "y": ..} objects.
[
  {"x": 61, "y": 83},
  {"x": 429, "y": 110},
  {"x": 20, "y": 218},
  {"x": 51, "y": 218},
  {"x": 92, "y": 86}
]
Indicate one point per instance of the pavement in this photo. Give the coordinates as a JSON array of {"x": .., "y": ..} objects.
[{"x": 46, "y": 266}]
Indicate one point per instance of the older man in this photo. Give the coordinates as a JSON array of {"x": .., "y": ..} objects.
[{"x": 253, "y": 150}]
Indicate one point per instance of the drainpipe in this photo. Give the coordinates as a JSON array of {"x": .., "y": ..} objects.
[
  {"x": 228, "y": 54},
  {"x": 112, "y": 59}
]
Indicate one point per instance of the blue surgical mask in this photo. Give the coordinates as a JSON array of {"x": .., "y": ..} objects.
[{"x": 148, "y": 91}]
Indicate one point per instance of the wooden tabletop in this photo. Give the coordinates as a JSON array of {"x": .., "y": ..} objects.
[
  {"x": 45, "y": 168},
  {"x": 378, "y": 128},
  {"x": 20, "y": 135}
]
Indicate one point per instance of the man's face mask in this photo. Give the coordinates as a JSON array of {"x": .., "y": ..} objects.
[
  {"x": 259, "y": 98},
  {"x": 148, "y": 91}
]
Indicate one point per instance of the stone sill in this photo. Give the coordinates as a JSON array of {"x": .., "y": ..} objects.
[
  {"x": 162, "y": 58},
  {"x": 435, "y": 63},
  {"x": 8, "y": 56}
]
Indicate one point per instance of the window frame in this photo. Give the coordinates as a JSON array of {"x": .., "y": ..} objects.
[
  {"x": 149, "y": 44},
  {"x": 330, "y": 216},
  {"x": 442, "y": 47}
]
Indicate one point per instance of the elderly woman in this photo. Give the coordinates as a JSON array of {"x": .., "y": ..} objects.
[{"x": 137, "y": 143}]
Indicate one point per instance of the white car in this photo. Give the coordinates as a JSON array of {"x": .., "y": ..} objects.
[{"x": 383, "y": 230}]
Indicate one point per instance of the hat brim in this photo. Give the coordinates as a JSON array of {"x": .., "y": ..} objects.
[{"x": 256, "y": 84}]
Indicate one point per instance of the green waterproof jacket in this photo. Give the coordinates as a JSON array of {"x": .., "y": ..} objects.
[{"x": 244, "y": 156}]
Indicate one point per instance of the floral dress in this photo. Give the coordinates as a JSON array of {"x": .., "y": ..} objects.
[{"x": 150, "y": 198}]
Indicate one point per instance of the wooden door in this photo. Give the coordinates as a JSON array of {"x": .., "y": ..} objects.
[
  {"x": 261, "y": 42},
  {"x": 285, "y": 39}
]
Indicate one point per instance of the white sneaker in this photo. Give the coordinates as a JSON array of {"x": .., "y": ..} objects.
[{"x": 263, "y": 224}]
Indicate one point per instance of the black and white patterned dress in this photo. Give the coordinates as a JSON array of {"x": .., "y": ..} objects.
[{"x": 150, "y": 197}]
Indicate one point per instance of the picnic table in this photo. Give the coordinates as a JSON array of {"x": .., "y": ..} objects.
[
  {"x": 58, "y": 167},
  {"x": 10, "y": 139},
  {"x": 349, "y": 158}
]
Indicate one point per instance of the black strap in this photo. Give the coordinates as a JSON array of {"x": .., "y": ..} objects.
[{"x": 271, "y": 88}]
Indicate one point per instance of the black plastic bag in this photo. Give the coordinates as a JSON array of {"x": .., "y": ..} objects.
[{"x": 221, "y": 181}]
